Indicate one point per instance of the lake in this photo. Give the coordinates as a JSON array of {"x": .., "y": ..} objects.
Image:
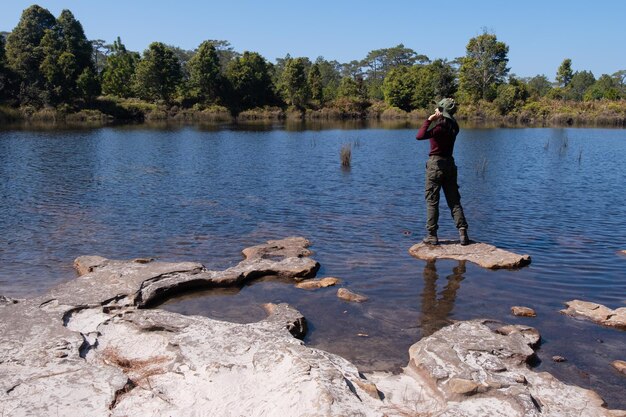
[{"x": 205, "y": 193}]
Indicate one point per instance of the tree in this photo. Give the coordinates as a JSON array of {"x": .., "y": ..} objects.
[
  {"x": 66, "y": 55},
  {"x": 316, "y": 88},
  {"x": 511, "y": 95},
  {"x": 119, "y": 70},
  {"x": 99, "y": 55},
  {"x": 564, "y": 74},
  {"x": 483, "y": 68},
  {"x": 225, "y": 52},
  {"x": 158, "y": 74},
  {"x": 7, "y": 77},
  {"x": 620, "y": 80},
  {"x": 205, "y": 77},
  {"x": 351, "y": 88},
  {"x": 580, "y": 82},
  {"x": 251, "y": 82},
  {"x": 443, "y": 76},
  {"x": 293, "y": 83},
  {"x": 352, "y": 69},
  {"x": 605, "y": 87},
  {"x": 88, "y": 84},
  {"x": 539, "y": 85},
  {"x": 74, "y": 41},
  {"x": 379, "y": 62},
  {"x": 57, "y": 68},
  {"x": 24, "y": 54},
  {"x": 416, "y": 87},
  {"x": 330, "y": 72},
  {"x": 398, "y": 88}
]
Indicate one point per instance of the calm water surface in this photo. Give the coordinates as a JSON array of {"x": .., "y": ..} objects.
[{"x": 203, "y": 195}]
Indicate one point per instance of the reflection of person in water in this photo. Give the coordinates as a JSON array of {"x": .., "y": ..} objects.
[{"x": 435, "y": 311}]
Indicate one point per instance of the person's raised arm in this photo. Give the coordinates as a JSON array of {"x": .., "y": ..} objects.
[{"x": 424, "y": 132}]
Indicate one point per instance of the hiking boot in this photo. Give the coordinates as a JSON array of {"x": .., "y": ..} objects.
[
  {"x": 431, "y": 238},
  {"x": 463, "y": 237}
]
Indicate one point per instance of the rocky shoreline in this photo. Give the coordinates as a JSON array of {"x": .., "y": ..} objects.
[{"x": 92, "y": 347}]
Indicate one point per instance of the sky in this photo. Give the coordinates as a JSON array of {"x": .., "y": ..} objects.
[{"x": 540, "y": 34}]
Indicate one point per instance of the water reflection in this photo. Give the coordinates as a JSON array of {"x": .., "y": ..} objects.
[{"x": 437, "y": 308}]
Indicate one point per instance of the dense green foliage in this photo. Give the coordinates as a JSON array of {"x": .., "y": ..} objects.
[
  {"x": 294, "y": 84},
  {"x": 564, "y": 74},
  {"x": 484, "y": 67},
  {"x": 49, "y": 62},
  {"x": 251, "y": 81},
  {"x": 158, "y": 73},
  {"x": 205, "y": 78},
  {"x": 49, "y": 55},
  {"x": 118, "y": 72}
]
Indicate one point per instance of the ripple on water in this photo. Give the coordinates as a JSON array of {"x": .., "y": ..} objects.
[{"x": 185, "y": 194}]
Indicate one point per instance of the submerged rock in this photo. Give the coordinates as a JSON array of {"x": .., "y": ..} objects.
[
  {"x": 597, "y": 313},
  {"x": 482, "y": 254},
  {"x": 620, "y": 366},
  {"x": 523, "y": 311},
  {"x": 88, "y": 348},
  {"x": 347, "y": 295},
  {"x": 312, "y": 284}
]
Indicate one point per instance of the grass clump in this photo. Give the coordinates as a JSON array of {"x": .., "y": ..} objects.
[{"x": 345, "y": 155}]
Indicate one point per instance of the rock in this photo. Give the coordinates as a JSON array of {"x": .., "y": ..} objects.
[
  {"x": 85, "y": 349},
  {"x": 312, "y": 284},
  {"x": 620, "y": 366},
  {"x": 369, "y": 387},
  {"x": 86, "y": 264},
  {"x": 291, "y": 247},
  {"x": 482, "y": 254},
  {"x": 473, "y": 369},
  {"x": 88, "y": 348},
  {"x": 143, "y": 260},
  {"x": 558, "y": 358},
  {"x": 531, "y": 334},
  {"x": 597, "y": 313},
  {"x": 462, "y": 386},
  {"x": 348, "y": 295},
  {"x": 7, "y": 300},
  {"x": 617, "y": 319},
  {"x": 523, "y": 311}
]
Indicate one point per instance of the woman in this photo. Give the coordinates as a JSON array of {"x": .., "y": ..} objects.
[{"x": 441, "y": 172}]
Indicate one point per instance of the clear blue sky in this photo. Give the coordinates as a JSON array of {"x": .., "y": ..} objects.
[{"x": 540, "y": 34}]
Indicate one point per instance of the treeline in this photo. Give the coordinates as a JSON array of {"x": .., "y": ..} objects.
[{"x": 47, "y": 62}]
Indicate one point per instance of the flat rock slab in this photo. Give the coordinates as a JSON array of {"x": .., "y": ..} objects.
[
  {"x": 88, "y": 347},
  {"x": 482, "y": 254},
  {"x": 597, "y": 313}
]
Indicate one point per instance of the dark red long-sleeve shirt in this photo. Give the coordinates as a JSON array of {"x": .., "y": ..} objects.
[{"x": 441, "y": 137}]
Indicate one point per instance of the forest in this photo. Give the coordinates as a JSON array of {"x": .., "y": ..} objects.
[{"x": 49, "y": 70}]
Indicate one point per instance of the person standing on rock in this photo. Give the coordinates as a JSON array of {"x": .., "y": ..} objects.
[{"x": 441, "y": 171}]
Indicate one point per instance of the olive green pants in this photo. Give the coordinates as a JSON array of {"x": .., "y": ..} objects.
[{"x": 442, "y": 173}]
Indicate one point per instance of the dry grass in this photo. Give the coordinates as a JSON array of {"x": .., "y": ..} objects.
[
  {"x": 264, "y": 113},
  {"x": 137, "y": 370},
  {"x": 346, "y": 155},
  {"x": 394, "y": 113}
]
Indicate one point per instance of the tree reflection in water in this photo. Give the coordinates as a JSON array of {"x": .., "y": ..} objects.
[{"x": 435, "y": 311}]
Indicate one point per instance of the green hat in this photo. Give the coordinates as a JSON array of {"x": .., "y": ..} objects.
[{"x": 447, "y": 107}]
